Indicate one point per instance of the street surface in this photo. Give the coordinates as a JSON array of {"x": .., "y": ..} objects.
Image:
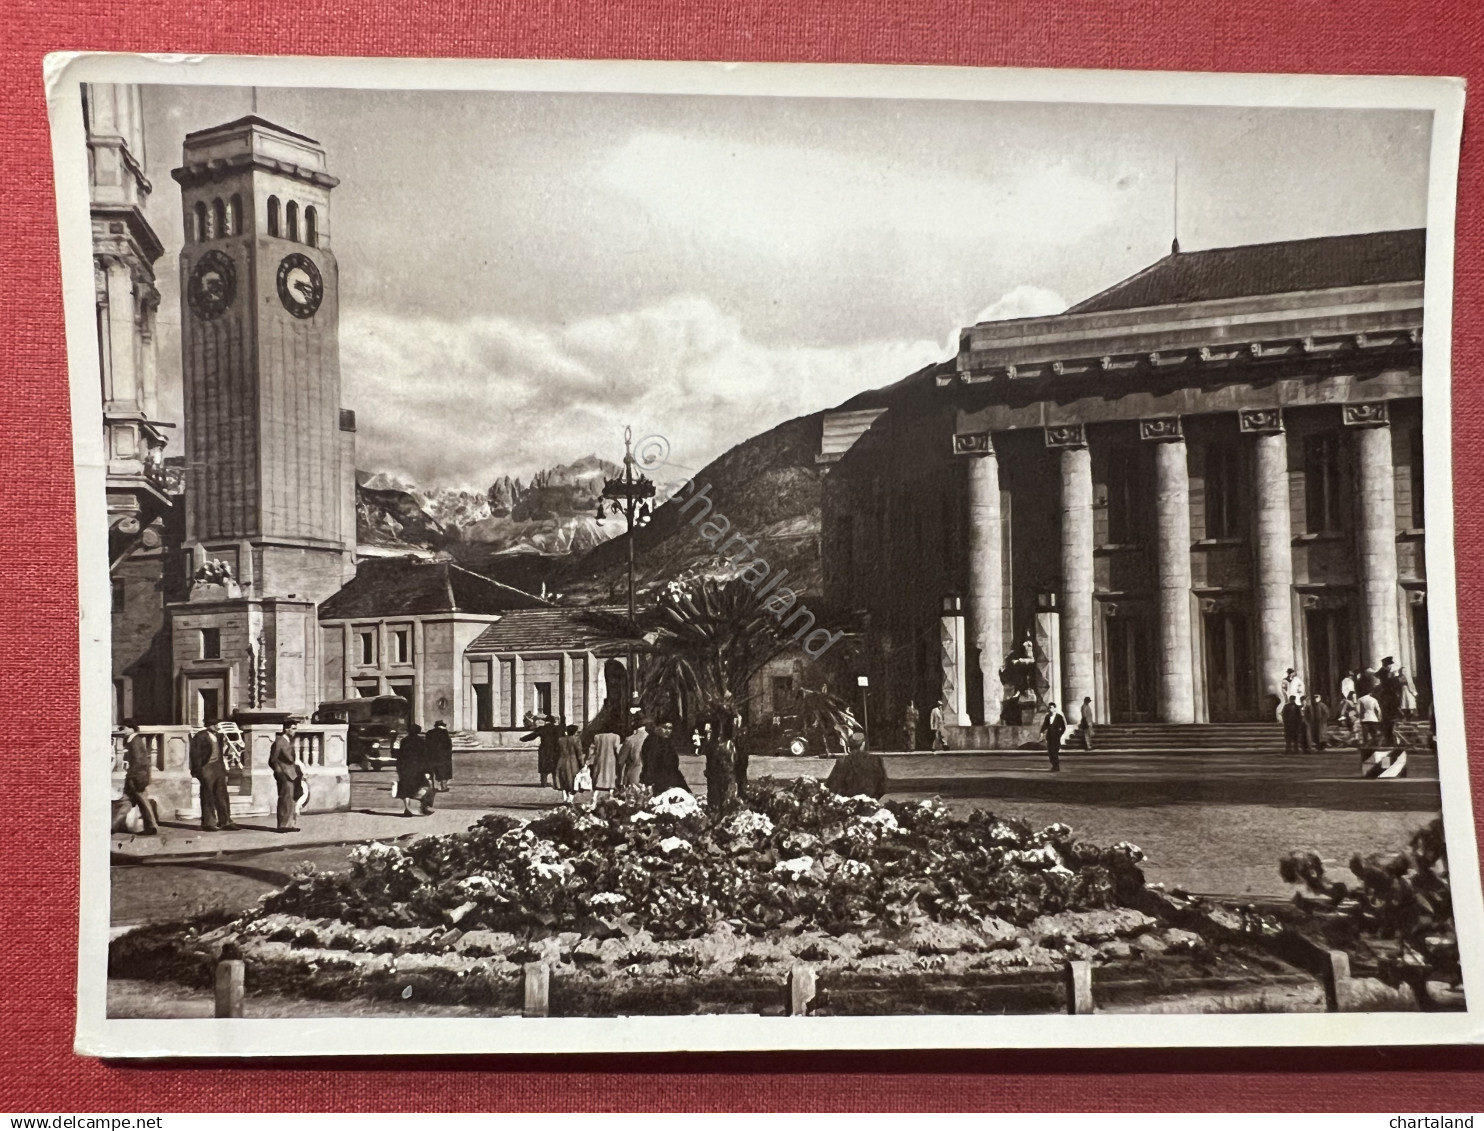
[{"x": 1213, "y": 823}]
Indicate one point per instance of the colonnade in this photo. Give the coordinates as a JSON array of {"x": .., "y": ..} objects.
[{"x": 1278, "y": 646}]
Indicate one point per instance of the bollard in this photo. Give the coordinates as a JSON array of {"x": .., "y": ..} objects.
[
  {"x": 1079, "y": 987},
  {"x": 800, "y": 990},
  {"x": 1338, "y": 985},
  {"x": 230, "y": 974},
  {"x": 538, "y": 990}
]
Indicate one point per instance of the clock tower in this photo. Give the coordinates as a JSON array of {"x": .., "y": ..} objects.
[{"x": 270, "y": 489}]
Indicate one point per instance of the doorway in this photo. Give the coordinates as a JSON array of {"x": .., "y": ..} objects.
[
  {"x": 1130, "y": 668},
  {"x": 1228, "y": 667},
  {"x": 205, "y": 698},
  {"x": 1327, "y": 637}
]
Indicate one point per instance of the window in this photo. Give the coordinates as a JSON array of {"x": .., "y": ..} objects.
[
  {"x": 218, "y": 219},
  {"x": 1323, "y": 511},
  {"x": 400, "y": 687},
  {"x": 366, "y": 647},
  {"x": 402, "y": 646},
  {"x": 784, "y": 701},
  {"x": 211, "y": 643},
  {"x": 234, "y": 215},
  {"x": 273, "y": 215},
  {"x": 1223, "y": 492},
  {"x": 311, "y": 226},
  {"x": 1125, "y": 496},
  {"x": 367, "y": 688},
  {"x": 543, "y": 698},
  {"x": 291, "y": 221},
  {"x": 198, "y": 229}
]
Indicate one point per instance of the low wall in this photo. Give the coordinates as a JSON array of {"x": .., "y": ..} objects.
[{"x": 993, "y": 737}]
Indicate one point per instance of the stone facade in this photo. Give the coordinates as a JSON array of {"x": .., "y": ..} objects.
[{"x": 1173, "y": 501}]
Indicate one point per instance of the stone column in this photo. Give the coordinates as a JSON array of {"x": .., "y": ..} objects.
[
  {"x": 986, "y": 577},
  {"x": 1172, "y": 569},
  {"x": 1272, "y": 542},
  {"x": 1375, "y": 534},
  {"x": 1078, "y": 677}
]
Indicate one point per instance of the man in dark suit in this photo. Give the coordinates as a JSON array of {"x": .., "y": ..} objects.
[
  {"x": 209, "y": 769},
  {"x": 288, "y": 775},
  {"x": 1053, "y": 726}
]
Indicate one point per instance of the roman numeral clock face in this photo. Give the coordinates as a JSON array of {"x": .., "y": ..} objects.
[{"x": 300, "y": 287}]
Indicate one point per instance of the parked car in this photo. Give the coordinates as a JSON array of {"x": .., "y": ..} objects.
[{"x": 376, "y": 726}]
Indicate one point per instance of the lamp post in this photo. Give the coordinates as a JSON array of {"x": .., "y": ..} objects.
[{"x": 630, "y": 495}]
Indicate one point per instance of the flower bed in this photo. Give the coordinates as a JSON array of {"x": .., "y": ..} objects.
[{"x": 646, "y": 897}]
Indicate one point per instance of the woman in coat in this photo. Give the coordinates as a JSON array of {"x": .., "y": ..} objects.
[
  {"x": 661, "y": 761},
  {"x": 440, "y": 755},
  {"x": 605, "y": 761},
  {"x": 412, "y": 772},
  {"x": 569, "y": 761}
]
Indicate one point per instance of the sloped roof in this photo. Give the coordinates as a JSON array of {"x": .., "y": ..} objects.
[
  {"x": 595, "y": 629},
  {"x": 395, "y": 587},
  {"x": 1269, "y": 268}
]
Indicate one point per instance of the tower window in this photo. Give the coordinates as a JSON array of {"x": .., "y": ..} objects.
[
  {"x": 218, "y": 219},
  {"x": 291, "y": 221},
  {"x": 273, "y": 215},
  {"x": 234, "y": 215},
  {"x": 211, "y": 643},
  {"x": 198, "y": 233},
  {"x": 311, "y": 226}
]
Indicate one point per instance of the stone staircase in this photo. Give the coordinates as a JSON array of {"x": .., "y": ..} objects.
[
  {"x": 465, "y": 740},
  {"x": 1189, "y": 738}
]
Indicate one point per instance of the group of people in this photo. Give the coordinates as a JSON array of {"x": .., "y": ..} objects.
[
  {"x": 1372, "y": 702},
  {"x": 211, "y": 750},
  {"x": 424, "y": 766},
  {"x": 603, "y": 759}
]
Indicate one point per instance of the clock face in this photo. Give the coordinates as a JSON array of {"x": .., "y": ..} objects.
[
  {"x": 213, "y": 284},
  {"x": 300, "y": 287}
]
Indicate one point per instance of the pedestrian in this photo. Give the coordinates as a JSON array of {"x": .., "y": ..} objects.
[
  {"x": 1350, "y": 716},
  {"x": 858, "y": 774},
  {"x": 1053, "y": 726},
  {"x": 909, "y": 726},
  {"x": 546, "y": 734},
  {"x": 630, "y": 770},
  {"x": 1292, "y": 687},
  {"x": 605, "y": 749},
  {"x": 210, "y": 770},
  {"x": 936, "y": 725},
  {"x": 1389, "y": 694},
  {"x": 569, "y": 761},
  {"x": 1347, "y": 685},
  {"x": 1409, "y": 693},
  {"x": 1370, "y": 721},
  {"x": 1084, "y": 725},
  {"x": 288, "y": 776},
  {"x": 661, "y": 770},
  {"x": 1293, "y": 726},
  {"x": 137, "y": 773},
  {"x": 440, "y": 756},
  {"x": 1317, "y": 717},
  {"x": 413, "y": 780}
]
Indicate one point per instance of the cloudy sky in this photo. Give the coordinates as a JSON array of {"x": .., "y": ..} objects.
[{"x": 524, "y": 274}]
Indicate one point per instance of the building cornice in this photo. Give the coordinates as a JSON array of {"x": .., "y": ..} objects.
[
  {"x": 219, "y": 168},
  {"x": 1353, "y": 321}
]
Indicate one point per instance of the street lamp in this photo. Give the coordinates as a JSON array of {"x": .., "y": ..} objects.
[{"x": 630, "y": 495}]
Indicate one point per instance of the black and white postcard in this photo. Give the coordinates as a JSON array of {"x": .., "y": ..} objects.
[{"x": 585, "y": 556}]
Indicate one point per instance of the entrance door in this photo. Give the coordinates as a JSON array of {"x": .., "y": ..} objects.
[
  {"x": 1327, "y": 636},
  {"x": 1228, "y": 667},
  {"x": 1131, "y": 670},
  {"x": 204, "y": 695}
]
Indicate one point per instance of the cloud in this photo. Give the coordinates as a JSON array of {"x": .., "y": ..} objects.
[
  {"x": 457, "y": 402},
  {"x": 784, "y": 198},
  {"x": 1024, "y": 301}
]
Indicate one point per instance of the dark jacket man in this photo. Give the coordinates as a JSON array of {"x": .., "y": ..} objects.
[
  {"x": 288, "y": 775},
  {"x": 440, "y": 754},
  {"x": 548, "y": 733},
  {"x": 858, "y": 773},
  {"x": 208, "y": 768},
  {"x": 1053, "y": 726},
  {"x": 660, "y": 769},
  {"x": 1294, "y": 734},
  {"x": 1317, "y": 715}
]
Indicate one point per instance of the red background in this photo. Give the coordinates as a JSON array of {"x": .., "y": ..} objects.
[{"x": 38, "y": 584}]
